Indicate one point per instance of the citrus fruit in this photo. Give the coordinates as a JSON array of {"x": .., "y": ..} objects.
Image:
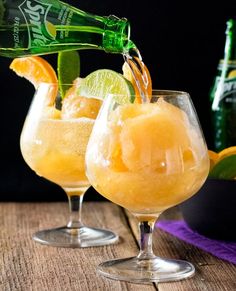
[
  {"x": 103, "y": 82},
  {"x": 36, "y": 70},
  {"x": 136, "y": 77},
  {"x": 213, "y": 156},
  {"x": 225, "y": 168},
  {"x": 51, "y": 29},
  {"x": 227, "y": 152},
  {"x": 68, "y": 69},
  {"x": 232, "y": 74}
]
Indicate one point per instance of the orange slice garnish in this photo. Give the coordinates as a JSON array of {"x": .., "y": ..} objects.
[
  {"x": 36, "y": 70},
  {"x": 227, "y": 152},
  {"x": 142, "y": 76},
  {"x": 213, "y": 156}
]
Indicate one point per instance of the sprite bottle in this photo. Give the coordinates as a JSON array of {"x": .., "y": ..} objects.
[
  {"x": 223, "y": 94},
  {"x": 36, "y": 27}
]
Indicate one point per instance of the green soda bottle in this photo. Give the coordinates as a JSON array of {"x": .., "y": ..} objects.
[
  {"x": 36, "y": 27},
  {"x": 223, "y": 94}
]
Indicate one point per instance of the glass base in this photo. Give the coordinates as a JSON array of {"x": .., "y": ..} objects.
[
  {"x": 75, "y": 237},
  {"x": 146, "y": 270}
]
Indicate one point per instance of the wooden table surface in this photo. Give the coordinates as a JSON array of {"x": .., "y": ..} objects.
[{"x": 27, "y": 265}]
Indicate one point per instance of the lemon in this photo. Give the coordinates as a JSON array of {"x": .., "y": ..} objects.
[
  {"x": 232, "y": 74},
  {"x": 103, "y": 82},
  {"x": 51, "y": 29},
  {"x": 68, "y": 69}
]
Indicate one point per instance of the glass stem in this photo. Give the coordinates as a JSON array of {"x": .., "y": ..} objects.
[
  {"x": 146, "y": 230},
  {"x": 75, "y": 208}
]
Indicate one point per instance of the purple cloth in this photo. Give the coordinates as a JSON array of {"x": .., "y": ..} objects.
[{"x": 221, "y": 249}]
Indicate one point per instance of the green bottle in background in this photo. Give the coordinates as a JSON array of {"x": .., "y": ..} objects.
[
  {"x": 36, "y": 27},
  {"x": 223, "y": 94}
]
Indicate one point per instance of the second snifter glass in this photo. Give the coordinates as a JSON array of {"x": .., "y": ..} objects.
[
  {"x": 53, "y": 143},
  {"x": 147, "y": 157}
]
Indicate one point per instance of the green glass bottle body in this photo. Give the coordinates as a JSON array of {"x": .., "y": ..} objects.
[
  {"x": 223, "y": 94},
  {"x": 36, "y": 27}
]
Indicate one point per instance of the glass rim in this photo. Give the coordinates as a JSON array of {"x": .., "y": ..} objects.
[
  {"x": 54, "y": 84},
  {"x": 166, "y": 92},
  {"x": 157, "y": 93}
]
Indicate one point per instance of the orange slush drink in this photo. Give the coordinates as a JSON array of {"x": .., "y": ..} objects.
[
  {"x": 57, "y": 150},
  {"x": 54, "y": 146},
  {"x": 147, "y": 157}
]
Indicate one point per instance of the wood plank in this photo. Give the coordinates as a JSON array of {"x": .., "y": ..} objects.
[
  {"x": 211, "y": 272},
  {"x": 27, "y": 265}
]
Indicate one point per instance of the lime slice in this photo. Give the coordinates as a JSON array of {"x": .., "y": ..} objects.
[
  {"x": 225, "y": 169},
  {"x": 103, "y": 82},
  {"x": 68, "y": 69}
]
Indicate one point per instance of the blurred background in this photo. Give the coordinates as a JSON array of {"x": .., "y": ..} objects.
[{"x": 181, "y": 44}]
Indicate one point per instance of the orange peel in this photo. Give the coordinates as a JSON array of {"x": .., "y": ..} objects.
[
  {"x": 36, "y": 70},
  {"x": 213, "y": 156},
  {"x": 227, "y": 152}
]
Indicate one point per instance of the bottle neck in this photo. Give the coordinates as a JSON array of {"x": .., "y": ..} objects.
[
  {"x": 230, "y": 45},
  {"x": 2, "y": 11},
  {"x": 231, "y": 64},
  {"x": 44, "y": 27},
  {"x": 116, "y": 36}
]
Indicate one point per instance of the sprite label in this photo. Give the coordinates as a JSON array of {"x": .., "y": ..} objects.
[
  {"x": 36, "y": 23},
  {"x": 228, "y": 90},
  {"x": 224, "y": 116},
  {"x": 40, "y": 31},
  {"x": 37, "y": 27}
]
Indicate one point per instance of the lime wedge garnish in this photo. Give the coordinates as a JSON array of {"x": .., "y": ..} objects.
[
  {"x": 68, "y": 69},
  {"x": 224, "y": 169},
  {"x": 103, "y": 82}
]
